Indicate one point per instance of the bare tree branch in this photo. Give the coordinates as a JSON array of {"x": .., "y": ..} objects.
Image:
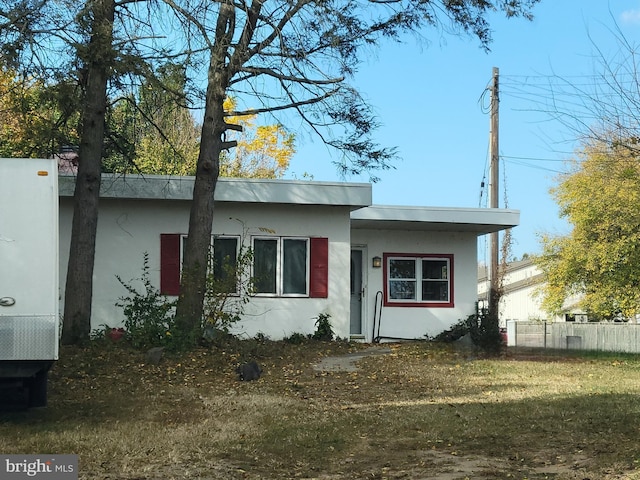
[{"x": 295, "y": 105}]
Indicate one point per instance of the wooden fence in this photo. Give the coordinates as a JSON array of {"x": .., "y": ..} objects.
[{"x": 610, "y": 337}]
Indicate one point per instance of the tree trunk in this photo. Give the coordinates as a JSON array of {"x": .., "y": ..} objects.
[
  {"x": 189, "y": 311},
  {"x": 79, "y": 285}
]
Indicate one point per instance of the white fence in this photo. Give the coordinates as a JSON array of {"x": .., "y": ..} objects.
[{"x": 610, "y": 337}]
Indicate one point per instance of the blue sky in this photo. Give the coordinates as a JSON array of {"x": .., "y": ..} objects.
[{"x": 429, "y": 99}]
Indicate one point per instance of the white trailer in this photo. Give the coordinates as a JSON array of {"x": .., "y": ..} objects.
[{"x": 29, "y": 293}]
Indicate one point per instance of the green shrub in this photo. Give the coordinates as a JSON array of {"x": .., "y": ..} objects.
[
  {"x": 324, "y": 331},
  {"x": 452, "y": 334},
  {"x": 229, "y": 289},
  {"x": 296, "y": 339},
  {"x": 149, "y": 315},
  {"x": 485, "y": 331}
]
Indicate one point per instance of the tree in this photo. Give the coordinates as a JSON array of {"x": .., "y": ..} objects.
[
  {"x": 602, "y": 107},
  {"x": 596, "y": 261},
  {"x": 263, "y": 151},
  {"x": 155, "y": 132},
  {"x": 293, "y": 58},
  {"x": 70, "y": 43},
  {"x": 98, "y": 59},
  {"x": 35, "y": 118},
  {"x": 599, "y": 261},
  {"x": 296, "y": 56},
  {"x": 29, "y": 32}
]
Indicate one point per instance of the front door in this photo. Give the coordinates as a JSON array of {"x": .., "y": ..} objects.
[{"x": 356, "y": 292}]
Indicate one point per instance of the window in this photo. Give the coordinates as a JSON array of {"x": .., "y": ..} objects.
[
  {"x": 265, "y": 265},
  {"x": 224, "y": 256},
  {"x": 225, "y": 261},
  {"x": 281, "y": 266},
  {"x": 418, "y": 280}
]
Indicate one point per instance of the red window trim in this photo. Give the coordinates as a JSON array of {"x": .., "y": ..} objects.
[
  {"x": 170, "y": 263},
  {"x": 394, "y": 303},
  {"x": 319, "y": 267}
]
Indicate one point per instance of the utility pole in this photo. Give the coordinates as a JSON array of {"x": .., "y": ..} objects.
[{"x": 493, "y": 192}]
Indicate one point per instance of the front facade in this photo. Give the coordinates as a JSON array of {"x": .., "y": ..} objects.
[
  {"x": 427, "y": 279},
  {"x": 314, "y": 245}
]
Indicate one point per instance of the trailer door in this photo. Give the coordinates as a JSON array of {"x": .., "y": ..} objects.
[{"x": 29, "y": 296}]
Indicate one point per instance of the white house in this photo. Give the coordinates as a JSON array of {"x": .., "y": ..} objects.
[
  {"x": 319, "y": 247},
  {"x": 521, "y": 299}
]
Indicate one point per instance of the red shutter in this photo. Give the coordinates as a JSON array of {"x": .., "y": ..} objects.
[
  {"x": 170, "y": 263},
  {"x": 319, "y": 275}
]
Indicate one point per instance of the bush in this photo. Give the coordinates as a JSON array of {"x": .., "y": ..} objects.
[
  {"x": 454, "y": 333},
  {"x": 485, "y": 331},
  {"x": 149, "y": 315},
  {"x": 296, "y": 339},
  {"x": 323, "y": 332},
  {"x": 228, "y": 290}
]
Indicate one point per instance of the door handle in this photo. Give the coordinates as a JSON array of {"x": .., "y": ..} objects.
[{"x": 7, "y": 301}]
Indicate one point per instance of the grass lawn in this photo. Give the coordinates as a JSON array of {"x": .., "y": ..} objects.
[{"x": 425, "y": 411}]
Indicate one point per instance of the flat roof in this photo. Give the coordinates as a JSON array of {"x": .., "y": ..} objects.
[
  {"x": 476, "y": 220},
  {"x": 357, "y": 196},
  {"x": 237, "y": 190}
]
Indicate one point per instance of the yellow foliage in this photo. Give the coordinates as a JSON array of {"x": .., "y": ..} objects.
[
  {"x": 600, "y": 258},
  {"x": 263, "y": 151},
  {"x": 32, "y": 122},
  {"x": 15, "y": 126}
]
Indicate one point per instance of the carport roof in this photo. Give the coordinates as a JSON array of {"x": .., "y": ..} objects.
[{"x": 476, "y": 220}]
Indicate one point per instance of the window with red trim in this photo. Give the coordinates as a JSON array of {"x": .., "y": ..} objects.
[
  {"x": 290, "y": 266},
  {"x": 223, "y": 261},
  {"x": 418, "y": 280},
  {"x": 283, "y": 266}
]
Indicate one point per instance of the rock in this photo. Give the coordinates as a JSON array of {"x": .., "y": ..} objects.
[
  {"x": 154, "y": 355},
  {"x": 249, "y": 371}
]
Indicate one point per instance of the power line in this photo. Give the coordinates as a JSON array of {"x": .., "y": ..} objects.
[
  {"x": 531, "y": 165},
  {"x": 536, "y": 159}
]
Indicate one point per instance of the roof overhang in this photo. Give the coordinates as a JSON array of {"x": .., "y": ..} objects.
[
  {"x": 235, "y": 190},
  {"x": 475, "y": 220}
]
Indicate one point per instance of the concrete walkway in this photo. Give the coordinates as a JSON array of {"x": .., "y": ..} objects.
[{"x": 348, "y": 362}]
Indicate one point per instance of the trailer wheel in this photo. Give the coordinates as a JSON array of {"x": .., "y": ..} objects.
[{"x": 37, "y": 386}]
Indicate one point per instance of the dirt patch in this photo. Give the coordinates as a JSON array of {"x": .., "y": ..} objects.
[
  {"x": 348, "y": 362},
  {"x": 437, "y": 465}
]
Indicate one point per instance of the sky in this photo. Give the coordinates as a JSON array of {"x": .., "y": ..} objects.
[{"x": 432, "y": 101}]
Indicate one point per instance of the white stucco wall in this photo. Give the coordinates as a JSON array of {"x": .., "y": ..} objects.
[
  {"x": 416, "y": 322},
  {"x": 128, "y": 228}
]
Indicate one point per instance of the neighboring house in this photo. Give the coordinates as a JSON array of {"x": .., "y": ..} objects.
[
  {"x": 319, "y": 247},
  {"x": 521, "y": 300},
  {"x": 67, "y": 160}
]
